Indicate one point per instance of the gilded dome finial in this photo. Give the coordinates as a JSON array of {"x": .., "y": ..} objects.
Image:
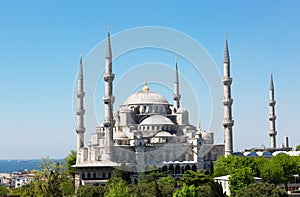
[{"x": 145, "y": 88}]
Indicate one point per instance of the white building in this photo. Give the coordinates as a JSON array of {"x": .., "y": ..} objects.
[
  {"x": 224, "y": 181},
  {"x": 22, "y": 180},
  {"x": 146, "y": 131}
]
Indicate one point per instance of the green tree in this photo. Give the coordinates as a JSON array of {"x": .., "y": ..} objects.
[
  {"x": 153, "y": 184},
  {"x": 51, "y": 180},
  {"x": 187, "y": 191},
  {"x": 205, "y": 185},
  {"x": 211, "y": 189},
  {"x": 195, "y": 178},
  {"x": 298, "y": 148},
  {"x": 223, "y": 166},
  {"x": 228, "y": 165},
  {"x": 67, "y": 187},
  {"x": 53, "y": 183},
  {"x": 123, "y": 172},
  {"x": 167, "y": 186},
  {"x": 261, "y": 190},
  {"x": 149, "y": 185},
  {"x": 70, "y": 161},
  {"x": 289, "y": 167},
  {"x": 4, "y": 191},
  {"x": 239, "y": 179},
  {"x": 270, "y": 171},
  {"x": 116, "y": 187},
  {"x": 90, "y": 191}
]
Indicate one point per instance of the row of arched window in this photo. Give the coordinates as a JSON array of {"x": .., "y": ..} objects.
[{"x": 157, "y": 128}]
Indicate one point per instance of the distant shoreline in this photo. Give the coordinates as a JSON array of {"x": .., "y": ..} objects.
[{"x": 19, "y": 165}]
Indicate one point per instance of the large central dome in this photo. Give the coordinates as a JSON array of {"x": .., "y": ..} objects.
[{"x": 145, "y": 96}]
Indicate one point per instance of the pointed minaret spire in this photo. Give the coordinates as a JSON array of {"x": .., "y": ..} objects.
[
  {"x": 108, "y": 45},
  {"x": 80, "y": 129},
  {"x": 227, "y": 102},
  {"x": 271, "y": 83},
  {"x": 80, "y": 73},
  {"x": 272, "y": 116},
  {"x": 199, "y": 125},
  {"x": 108, "y": 100},
  {"x": 176, "y": 96},
  {"x": 226, "y": 52}
]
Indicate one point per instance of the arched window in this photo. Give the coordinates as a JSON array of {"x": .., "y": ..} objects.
[
  {"x": 177, "y": 169},
  {"x": 194, "y": 168},
  {"x": 187, "y": 167},
  {"x": 182, "y": 170},
  {"x": 164, "y": 169},
  {"x": 171, "y": 169}
]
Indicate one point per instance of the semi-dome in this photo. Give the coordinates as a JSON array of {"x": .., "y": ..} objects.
[
  {"x": 145, "y": 96},
  {"x": 206, "y": 135},
  {"x": 157, "y": 120},
  {"x": 120, "y": 135}
]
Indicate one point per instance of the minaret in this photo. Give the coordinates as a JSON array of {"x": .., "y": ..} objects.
[
  {"x": 80, "y": 110},
  {"x": 227, "y": 102},
  {"x": 272, "y": 116},
  {"x": 286, "y": 141},
  {"x": 176, "y": 96},
  {"x": 108, "y": 100}
]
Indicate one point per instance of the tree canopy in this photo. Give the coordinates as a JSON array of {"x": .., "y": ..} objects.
[
  {"x": 261, "y": 190},
  {"x": 241, "y": 178}
]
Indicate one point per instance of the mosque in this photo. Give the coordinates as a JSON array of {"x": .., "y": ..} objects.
[{"x": 146, "y": 132}]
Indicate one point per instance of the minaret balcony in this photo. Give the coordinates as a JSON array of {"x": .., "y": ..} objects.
[
  {"x": 108, "y": 99},
  {"x": 176, "y": 97},
  {"x": 272, "y": 102},
  {"x": 80, "y": 130},
  {"x": 273, "y": 133},
  {"x": 227, "y": 102},
  {"x": 227, "y": 81},
  {"x": 106, "y": 123},
  {"x": 108, "y": 77},
  {"x": 80, "y": 111},
  {"x": 228, "y": 122},
  {"x": 80, "y": 94},
  {"x": 272, "y": 117}
]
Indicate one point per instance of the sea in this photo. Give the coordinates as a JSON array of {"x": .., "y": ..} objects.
[{"x": 9, "y": 166}]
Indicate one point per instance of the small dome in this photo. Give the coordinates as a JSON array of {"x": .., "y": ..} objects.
[
  {"x": 267, "y": 154},
  {"x": 157, "y": 120},
  {"x": 206, "y": 135},
  {"x": 163, "y": 134},
  {"x": 252, "y": 154},
  {"x": 239, "y": 154}
]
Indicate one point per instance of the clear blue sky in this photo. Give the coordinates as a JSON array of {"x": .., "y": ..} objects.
[{"x": 40, "y": 44}]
